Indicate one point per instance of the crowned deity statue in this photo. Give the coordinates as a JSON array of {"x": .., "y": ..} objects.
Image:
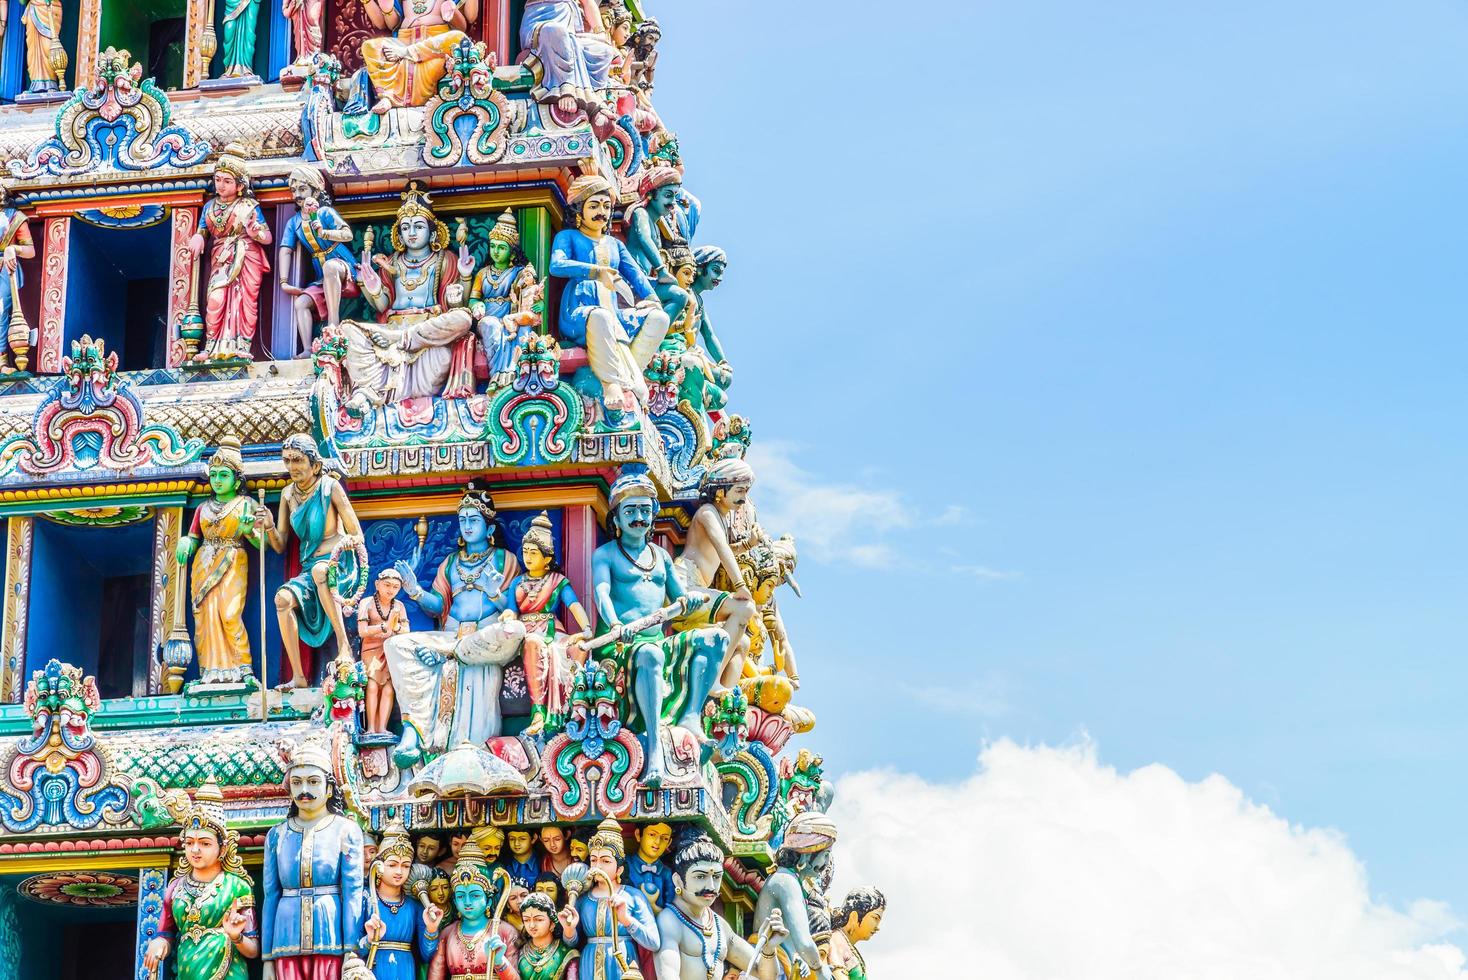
[
  {"x": 422, "y": 344},
  {"x": 619, "y": 342},
  {"x": 480, "y": 945},
  {"x": 636, "y": 585},
  {"x": 503, "y": 300},
  {"x": 612, "y": 921},
  {"x": 45, "y": 54},
  {"x": 405, "y": 68},
  {"x": 568, "y": 48},
  {"x": 696, "y": 942},
  {"x": 315, "y": 895},
  {"x": 233, "y": 222},
  {"x": 665, "y": 215},
  {"x": 448, "y": 680},
  {"x": 401, "y": 932},
  {"x": 315, "y": 507},
  {"x": 545, "y": 954},
  {"x": 237, "y": 46},
  {"x": 857, "y": 919},
  {"x": 209, "y": 906},
  {"x": 324, "y": 233},
  {"x": 220, "y": 574},
  {"x": 16, "y": 243},
  {"x": 539, "y": 599},
  {"x": 802, "y": 864}
]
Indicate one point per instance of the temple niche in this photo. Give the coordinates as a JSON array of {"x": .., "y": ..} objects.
[{"x": 154, "y": 31}]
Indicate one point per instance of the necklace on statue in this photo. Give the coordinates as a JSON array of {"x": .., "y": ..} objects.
[
  {"x": 407, "y": 265},
  {"x": 711, "y": 958},
  {"x": 647, "y": 569}
]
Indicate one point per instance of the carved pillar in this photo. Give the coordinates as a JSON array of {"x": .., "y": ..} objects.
[
  {"x": 180, "y": 266},
  {"x": 195, "y": 68},
  {"x": 494, "y": 26},
  {"x": 168, "y": 578},
  {"x": 19, "y": 546},
  {"x": 579, "y": 523},
  {"x": 53, "y": 295},
  {"x": 151, "y": 883},
  {"x": 88, "y": 33}
]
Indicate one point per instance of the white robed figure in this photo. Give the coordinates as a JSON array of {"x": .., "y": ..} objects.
[{"x": 447, "y": 681}]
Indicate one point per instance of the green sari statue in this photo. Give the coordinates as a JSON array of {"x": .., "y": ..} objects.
[{"x": 238, "y": 49}]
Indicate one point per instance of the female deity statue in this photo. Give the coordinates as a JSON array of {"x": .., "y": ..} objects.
[
  {"x": 237, "y": 262},
  {"x": 545, "y": 955},
  {"x": 502, "y": 300},
  {"x": 16, "y": 242},
  {"x": 307, "y": 19},
  {"x": 208, "y": 908},
  {"x": 422, "y": 344},
  {"x": 535, "y": 599},
  {"x": 45, "y": 57},
  {"x": 220, "y": 573},
  {"x": 405, "y": 68},
  {"x": 567, "y": 40},
  {"x": 479, "y": 946},
  {"x": 703, "y": 380},
  {"x": 238, "y": 48}
]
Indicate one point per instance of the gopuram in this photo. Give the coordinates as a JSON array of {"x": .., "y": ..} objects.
[{"x": 384, "y": 594}]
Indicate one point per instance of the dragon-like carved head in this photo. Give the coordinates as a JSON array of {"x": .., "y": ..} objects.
[{"x": 91, "y": 375}]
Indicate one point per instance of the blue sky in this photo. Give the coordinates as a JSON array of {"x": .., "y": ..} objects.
[{"x": 1109, "y": 361}]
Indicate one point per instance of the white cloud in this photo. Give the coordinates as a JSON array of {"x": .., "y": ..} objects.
[
  {"x": 1046, "y": 865},
  {"x": 983, "y": 573}
]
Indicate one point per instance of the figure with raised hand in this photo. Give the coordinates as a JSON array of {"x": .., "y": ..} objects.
[
  {"x": 315, "y": 507},
  {"x": 666, "y": 215},
  {"x": 324, "y": 233},
  {"x": 637, "y": 591},
  {"x": 314, "y": 888},
  {"x": 696, "y": 943},
  {"x": 619, "y": 341},
  {"x": 400, "y": 932},
  {"x": 480, "y": 945},
  {"x": 448, "y": 680},
  {"x": 612, "y": 920},
  {"x": 545, "y": 955},
  {"x": 232, "y": 221},
  {"x": 209, "y": 906}
]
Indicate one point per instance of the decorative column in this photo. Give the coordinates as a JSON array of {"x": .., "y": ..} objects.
[
  {"x": 151, "y": 882},
  {"x": 579, "y": 529},
  {"x": 49, "y": 340},
  {"x": 168, "y": 578},
  {"x": 88, "y": 33},
  {"x": 180, "y": 269},
  {"x": 19, "y": 547},
  {"x": 494, "y": 19},
  {"x": 196, "y": 66}
]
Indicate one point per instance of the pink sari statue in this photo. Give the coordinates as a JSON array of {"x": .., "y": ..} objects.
[{"x": 237, "y": 263}]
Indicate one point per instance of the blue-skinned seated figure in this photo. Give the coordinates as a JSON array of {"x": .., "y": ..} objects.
[
  {"x": 448, "y": 680},
  {"x": 671, "y": 676},
  {"x": 601, "y": 276}
]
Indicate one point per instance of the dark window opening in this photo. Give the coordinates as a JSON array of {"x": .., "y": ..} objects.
[{"x": 117, "y": 291}]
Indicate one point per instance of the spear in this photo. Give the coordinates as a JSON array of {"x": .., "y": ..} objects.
[{"x": 264, "y": 651}]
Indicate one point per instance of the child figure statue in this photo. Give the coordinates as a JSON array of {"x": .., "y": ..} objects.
[
  {"x": 535, "y": 599},
  {"x": 380, "y": 617}
]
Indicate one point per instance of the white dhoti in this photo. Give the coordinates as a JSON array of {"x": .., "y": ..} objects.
[
  {"x": 410, "y": 356},
  {"x": 449, "y": 684},
  {"x": 614, "y": 359}
]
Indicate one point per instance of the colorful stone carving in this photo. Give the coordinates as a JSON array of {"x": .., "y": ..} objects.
[
  {"x": 45, "y": 55},
  {"x": 695, "y": 943},
  {"x": 612, "y": 921},
  {"x": 466, "y": 121},
  {"x": 400, "y": 932},
  {"x": 796, "y": 888},
  {"x": 306, "y": 18},
  {"x": 422, "y": 344},
  {"x": 15, "y": 245},
  {"x": 326, "y": 236},
  {"x": 857, "y": 919},
  {"x": 537, "y": 599},
  {"x": 480, "y": 945},
  {"x": 504, "y": 298},
  {"x": 565, "y": 46},
  {"x": 238, "y": 48},
  {"x": 546, "y": 953},
  {"x": 379, "y": 619},
  {"x": 593, "y": 766},
  {"x": 233, "y": 222},
  {"x": 405, "y": 68}
]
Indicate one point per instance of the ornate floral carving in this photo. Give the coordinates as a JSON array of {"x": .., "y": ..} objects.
[
  {"x": 466, "y": 91},
  {"x": 592, "y": 766}
]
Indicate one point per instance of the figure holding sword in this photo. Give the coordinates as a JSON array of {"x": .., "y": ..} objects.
[{"x": 636, "y": 594}]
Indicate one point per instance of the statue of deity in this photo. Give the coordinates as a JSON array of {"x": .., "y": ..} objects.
[
  {"x": 801, "y": 865},
  {"x": 503, "y": 301},
  {"x": 237, "y": 262},
  {"x": 612, "y": 920},
  {"x": 324, "y": 232},
  {"x": 45, "y": 55},
  {"x": 238, "y": 47},
  {"x": 696, "y": 942},
  {"x": 480, "y": 945},
  {"x": 400, "y": 932},
  {"x": 567, "y": 40},
  {"x": 619, "y": 342},
  {"x": 422, "y": 344},
  {"x": 307, "y": 19},
  {"x": 645, "y": 54},
  {"x": 666, "y": 215},
  {"x": 671, "y": 676},
  {"x": 378, "y": 618},
  {"x": 314, "y": 890},
  {"x": 448, "y": 680},
  {"x": 857, "y": 919},
  {"x": 704, "y": 380},
  {"x": 545, "y": 955},
  {"x": 536, "y": 598},
  {"x": 15, "y": 240},
  {"x": 220, "y": 575},
  {"x": 645, "y": 869},
  {"x": 724, "y": 516},
  {"x": 315, "y": 507},
  {"x": 209, "y": 906},
  {"x": 405, "y": 68}
]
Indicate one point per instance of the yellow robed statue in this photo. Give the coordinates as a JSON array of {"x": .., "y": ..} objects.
[{"x": 405, "y": 68}]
